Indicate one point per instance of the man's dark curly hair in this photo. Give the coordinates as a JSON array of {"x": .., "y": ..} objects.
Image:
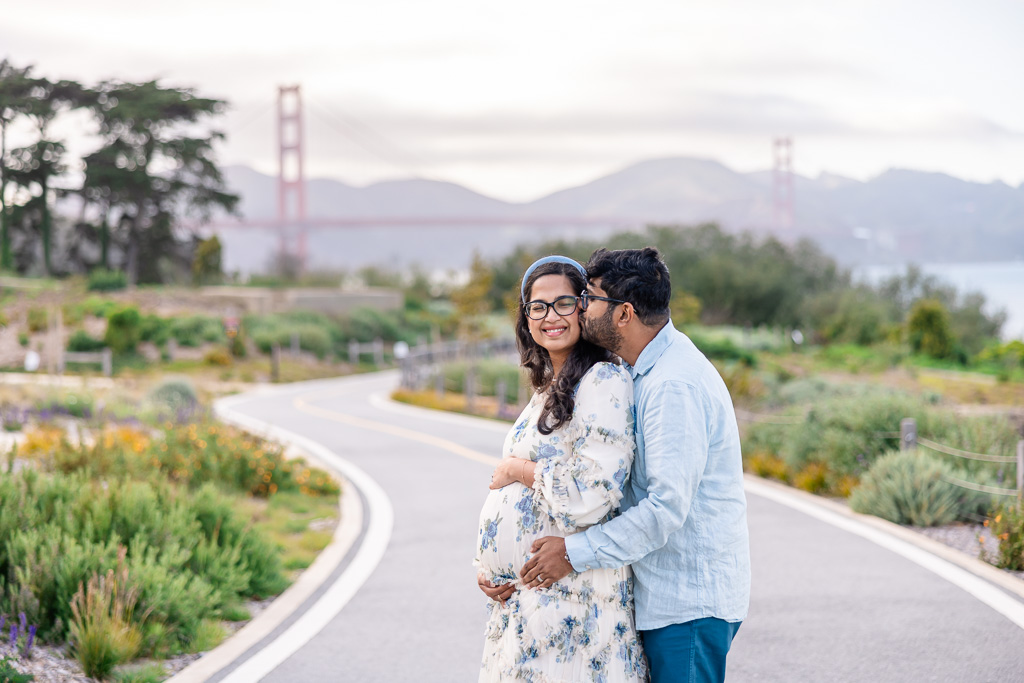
[
  {"x": 559, "y": 403},
  {"x": 638, "y": 276}
]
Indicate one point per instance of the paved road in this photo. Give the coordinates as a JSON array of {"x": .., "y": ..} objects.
[{"x": 827, "y": 605}]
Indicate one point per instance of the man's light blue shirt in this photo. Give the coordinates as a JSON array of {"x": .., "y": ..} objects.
[{"x": 683, "y": 526}]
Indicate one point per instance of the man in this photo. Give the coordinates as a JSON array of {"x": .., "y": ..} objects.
[{"x": 683, "y": 526}]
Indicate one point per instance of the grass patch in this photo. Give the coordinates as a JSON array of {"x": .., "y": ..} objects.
[
  {"x": 286, "y": 520},
  {"x": 209, "y": 635},
  {"x": 150, "y": 673}
]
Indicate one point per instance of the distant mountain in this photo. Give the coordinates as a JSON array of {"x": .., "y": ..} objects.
[{"x": 898, "y": 216}]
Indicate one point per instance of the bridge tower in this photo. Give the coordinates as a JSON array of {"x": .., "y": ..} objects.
[
  {"x": 782, "y": 184},
  {"x": 291, "y": 181}
]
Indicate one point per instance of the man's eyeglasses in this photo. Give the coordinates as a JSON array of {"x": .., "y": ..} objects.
[
  {"x": 563, "y": 305},
  {"x": 586, "y": 297}
]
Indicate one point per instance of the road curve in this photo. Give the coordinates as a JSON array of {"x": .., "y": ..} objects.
[{"x": 828, "y": 604}]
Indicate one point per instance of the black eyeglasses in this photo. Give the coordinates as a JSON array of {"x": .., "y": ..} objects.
[
  {"x": 586, "y": 297},
  {"x": 563, "y": 305}
]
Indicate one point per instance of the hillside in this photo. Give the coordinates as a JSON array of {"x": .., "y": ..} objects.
[{"x": 897, "y": 216}]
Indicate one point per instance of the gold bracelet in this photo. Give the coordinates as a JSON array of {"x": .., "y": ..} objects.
[{"x": 523, "y": 473}]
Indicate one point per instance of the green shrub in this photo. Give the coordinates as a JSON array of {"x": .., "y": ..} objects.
[
  {"x": 929, "y": 330},
  {"x": 38, "y": 320},
  {"x": 908, "y": 487},
  {"x": 81, "y": 341},
  {"x": 206, "y": 264},
  {"x": 814, "y": 478},
  {"x": 767, "y": 465},
  {"x": 75, "y": 405},
  {"x": 123, "y": 330},
  {"x": 174, "y": 395},
  {"x": 488, "y": 372},
  {"x": 23, "y": 338},
  {"x": 1010, "y": 354},
  {"x": 1006, "y": 522},
  {"x": 8, "y": 674},
  {"x": 99, "y": 307},
  {"x": 848, "y": 433},
  {"x": 151, "y": 673},
  {"x": 218, "y": 356},
  {"x": 237, "y": 344},
  {"x": 189, "y": 552},
  {"x": 193, "y": 330},
  {"x": 103, "y": 280},
  {"x": 154, "y": 329},
  {"x": 723, "y": 349}
]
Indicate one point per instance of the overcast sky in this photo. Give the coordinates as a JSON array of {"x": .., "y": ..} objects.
[{"x": 518, "y": 99}]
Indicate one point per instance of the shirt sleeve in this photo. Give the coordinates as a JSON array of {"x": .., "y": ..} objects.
[
  {"x": 674, "y": 421},
  {"x": 584, "y": 487}
]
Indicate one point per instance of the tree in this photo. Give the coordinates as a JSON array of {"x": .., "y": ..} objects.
[
  {"x": 15, "y": 89},
  {"x": 471, "y": 300},
  {"x": 34, "y": 167},
  {"x": 156, "y": 162},
  {"x": 929, "y": 329},
  {"x": 206, "y": 265}
]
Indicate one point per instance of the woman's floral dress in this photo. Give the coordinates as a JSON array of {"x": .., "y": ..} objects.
[{"x": 581, "y": 628}]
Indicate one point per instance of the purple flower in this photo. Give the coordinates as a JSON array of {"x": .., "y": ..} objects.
[
  {"x": 21, "y": 618},
  {"x": 1, "y": 624},
  {"x": 14, "y": 634},
  {"x": 30, "y": 641}
]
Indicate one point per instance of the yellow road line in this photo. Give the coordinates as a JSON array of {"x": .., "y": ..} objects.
[{"x": 303, "y": 405}]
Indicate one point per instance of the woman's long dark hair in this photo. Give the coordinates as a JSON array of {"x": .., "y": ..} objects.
[{"x": 559, "y": 404}]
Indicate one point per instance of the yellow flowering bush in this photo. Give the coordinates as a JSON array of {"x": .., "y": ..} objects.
[{"x": 1007, "y": 525}]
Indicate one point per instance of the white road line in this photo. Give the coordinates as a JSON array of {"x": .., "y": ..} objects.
[
  {"x": 378, "y": 534},
  {"x": 980, "y": 589},
  {"x": 961, "y": 578},
  {"x": 394, "y": 430}
]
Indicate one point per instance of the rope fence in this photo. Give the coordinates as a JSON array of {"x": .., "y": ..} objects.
[
  {"x": 763, "y": 418},
  {"x": 910, "y": 439}
]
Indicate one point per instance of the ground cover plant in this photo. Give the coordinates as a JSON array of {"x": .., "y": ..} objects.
[
  {"x": 909, "y": 487},
  {"x": 133, "y": 541}
]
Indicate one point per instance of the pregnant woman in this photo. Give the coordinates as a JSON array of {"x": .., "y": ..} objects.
[{"x": 565, "y": 462}]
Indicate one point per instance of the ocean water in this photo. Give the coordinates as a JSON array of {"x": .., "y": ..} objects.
[{"x": 1002, "y": 283}]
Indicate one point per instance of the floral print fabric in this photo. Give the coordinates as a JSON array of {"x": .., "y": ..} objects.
[{"x": 582, "y": 627}]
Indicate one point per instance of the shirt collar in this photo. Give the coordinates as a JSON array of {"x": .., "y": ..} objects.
[{"x": 652, "y": 352}]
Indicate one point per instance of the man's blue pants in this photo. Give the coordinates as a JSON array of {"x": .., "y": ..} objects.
[{"x": 693, "y": 652}]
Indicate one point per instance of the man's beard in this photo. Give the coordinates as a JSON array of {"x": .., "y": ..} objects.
[{"x": 601, "y": 331}]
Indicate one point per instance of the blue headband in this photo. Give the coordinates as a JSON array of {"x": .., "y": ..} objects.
[{"x": 549, "y": 259}]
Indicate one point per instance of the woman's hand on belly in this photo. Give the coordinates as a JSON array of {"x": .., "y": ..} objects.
[
  {"x": 498, "y": 593},
  {"x": 512, "y": 470}
]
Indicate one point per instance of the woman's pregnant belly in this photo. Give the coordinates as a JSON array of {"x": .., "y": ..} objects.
[{"x": 510, "y": 521}]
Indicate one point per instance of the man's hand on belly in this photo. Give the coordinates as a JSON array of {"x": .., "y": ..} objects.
[
  {"x": 548, "y": 563},
  {"x": 499, "y": 593}
]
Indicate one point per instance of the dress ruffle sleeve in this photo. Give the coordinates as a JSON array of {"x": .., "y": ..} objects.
[{"x": 583, "y": 488}]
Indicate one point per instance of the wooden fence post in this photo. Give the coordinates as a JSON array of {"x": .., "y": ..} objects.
[
  {"x": 60, "y": 340},
  {"x": 107, "y": 362},
  {"x": 275, "y": 362},
  {"x": 51, "y": 346},
  {"x": 470, "y": 388},
  {"x": 172, "y": 348},
  {"x": 378, "y": 352},
  {"x": 353, "y": 352},
  {"x": 1020, "y": 468},
  {"x": 908, "y": 434},
  {"x": 500, "y": 388}
]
